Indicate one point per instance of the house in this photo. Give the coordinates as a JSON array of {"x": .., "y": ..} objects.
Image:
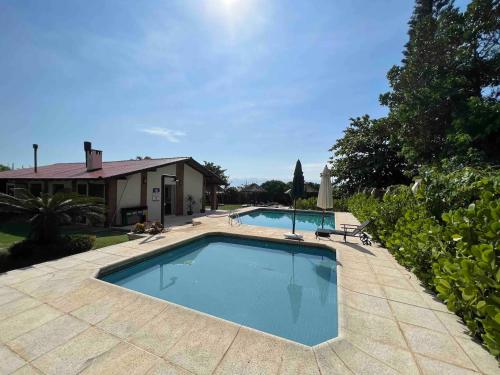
[{"x": 155, "y": 188}]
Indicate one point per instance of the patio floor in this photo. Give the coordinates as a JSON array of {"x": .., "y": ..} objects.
[{"x": 56, "y": 318}]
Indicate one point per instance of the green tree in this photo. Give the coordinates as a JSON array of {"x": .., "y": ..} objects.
[
  {"x": 442, "y": 98},
  {"x": 275, "y": 190},
  {"x": 47, "y": 213},
  {"x": 217, "y": 170},
  {"x": 4, "y": 168},
  {"x": 297, "y": 188},
  {"x": 366, "y": 157}
]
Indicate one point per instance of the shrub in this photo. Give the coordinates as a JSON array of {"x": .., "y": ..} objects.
[
  {"x": 416, "y": 242},
  {"x": 66, "y": 245},
  {"x": 307, "y": 203},
  {"x": 468, "y": 278}
]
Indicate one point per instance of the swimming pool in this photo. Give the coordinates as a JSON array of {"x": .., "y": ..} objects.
[
  {"x": 288, "y": 290},
  {"x": 283, "y": 219}
]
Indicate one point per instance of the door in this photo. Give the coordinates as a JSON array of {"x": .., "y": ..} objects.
[{"x": 169, "y": 199}]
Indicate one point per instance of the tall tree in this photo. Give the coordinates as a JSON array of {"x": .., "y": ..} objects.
[
  {"x": 217, "y": 170},
  {"x": 4, "y": 168},
  {"x": 366, "y": 157},
  {"x": 297, "y": 188},
  {"x": 438, "y": 97}
]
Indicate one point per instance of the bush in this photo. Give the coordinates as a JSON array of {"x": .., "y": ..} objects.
[
  {"x": 66, "y": 245},
  {"x": 307, "y": 203},
  {"x": 468, "y": 278},
  {"x": 416, "y": 242}
]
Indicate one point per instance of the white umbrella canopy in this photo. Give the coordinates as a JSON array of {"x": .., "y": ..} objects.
[{"x": 325, "y": 194}]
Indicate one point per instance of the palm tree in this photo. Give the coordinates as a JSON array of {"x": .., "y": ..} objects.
[{"x": 47, "y": 213}]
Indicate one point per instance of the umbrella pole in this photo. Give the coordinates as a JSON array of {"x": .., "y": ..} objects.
[
  {"x": 323, "y": 219},
  {"x": 294, "y": 209}
]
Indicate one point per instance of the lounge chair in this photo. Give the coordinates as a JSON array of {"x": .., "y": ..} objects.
[{"x": 348, "y": 230}]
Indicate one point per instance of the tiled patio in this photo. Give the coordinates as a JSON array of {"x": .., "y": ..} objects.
[{"x": 56, "y": 318}]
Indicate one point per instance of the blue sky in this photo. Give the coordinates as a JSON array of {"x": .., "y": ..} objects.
[{"x": 249, "y": 84}]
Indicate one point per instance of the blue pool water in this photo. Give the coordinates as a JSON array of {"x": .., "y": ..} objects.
[
  {"x": 283, "y": 219},
  {"x": 289, "y": 290}
]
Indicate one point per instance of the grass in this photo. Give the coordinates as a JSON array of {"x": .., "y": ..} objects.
[{"x": 12, "y": 232}]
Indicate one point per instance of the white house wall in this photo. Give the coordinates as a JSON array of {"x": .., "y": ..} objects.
[
  {"x": 154, "y": 181},
  {"x": 128, "y": 194},
  {"x": 193, "y": 185}
]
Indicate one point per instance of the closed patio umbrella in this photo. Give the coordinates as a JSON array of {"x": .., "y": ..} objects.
[{"x": 325, "y": 194}]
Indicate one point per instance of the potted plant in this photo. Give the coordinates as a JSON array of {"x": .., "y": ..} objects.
[
  {"x": 190, "y": 202},
  {"x": 202, "y": 206}
]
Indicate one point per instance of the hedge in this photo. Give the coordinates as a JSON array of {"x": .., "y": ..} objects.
[{"x": 448, "y": 234}]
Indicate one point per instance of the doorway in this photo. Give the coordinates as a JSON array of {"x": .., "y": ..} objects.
[{"x": 169, "y": 200}]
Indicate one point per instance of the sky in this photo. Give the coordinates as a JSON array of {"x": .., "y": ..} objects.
[{"x": 252, "y": 85}]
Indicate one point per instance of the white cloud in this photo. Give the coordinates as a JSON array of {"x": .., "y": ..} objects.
[{"x": 169, "y": 134}]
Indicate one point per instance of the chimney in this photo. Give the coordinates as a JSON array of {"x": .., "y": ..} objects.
[
  {"x": 35, "y": 149},
  {"x": 93, "y": 158}
]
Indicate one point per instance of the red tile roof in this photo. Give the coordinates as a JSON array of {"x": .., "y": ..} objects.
[{"x": 64, "y": 171}]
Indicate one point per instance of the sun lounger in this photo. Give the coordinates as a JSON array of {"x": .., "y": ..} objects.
[{"x": 348, "y": 230}]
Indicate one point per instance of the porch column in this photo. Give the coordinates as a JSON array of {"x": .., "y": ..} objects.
[
  {"x": 144, "y": 188},
  {"x": 110, "y": 200},
  {"x": 213, "y": 197},
  {"x": 179, "y": 189}
]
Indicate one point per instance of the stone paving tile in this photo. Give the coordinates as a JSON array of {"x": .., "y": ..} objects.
[
  {"x": 89, "y": 291},
  {"x": 251, "y": 353},
  {"x": 116, "y": 300},
  {"x": 358, "y": 361},
  {"x": 108, "y": 259},
  {"x": 405, "y": 296},
  {"x": 418, "y": 316},
  {"x": 453, "y": 324},
  {"x": 386, "y": 271},
  {"x": 483, "y": 360},
  {"x": 165, "y": 368},
  {"x": 395, "y": 282},
  {"x": 122, "y": 359},
  {"x": 47, "y": 337},
  {"x": 366, "y": 303},
  {"x": 380, "y": 329},
  {"x": 201, "y": 349},
  {"x": 435, "y": 345},
  {"x": 366, "y": 276},
  {"x": 397, "y": 358},
  {"x": 17, "y": 306},
  {"x": 132, "y": 317},
  {"x": 77, "y": 354},
  {"x": 298, "y": 360},
  {"x": 20, "y": 275},
  {"x": 328, "y": 361},
  {"x": 26, "y": 321},
  {"x": 360, "y": 286},
  {"x": 27, "y": 370},
  {"x": 9, "y": 295},
  {"x": 162, "y": 332},
  {"x": 431, "y": 366},
  {"x": 9, "y": 361}
]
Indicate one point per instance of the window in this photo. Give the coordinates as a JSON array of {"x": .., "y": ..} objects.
[
  {"x": 10, "y": 189},
  {"x": 57, "y": 188},
  {"x": 96, "y": 190},
  {"x": 82, "y": 189},
  {"x": 36, "y": 189}
]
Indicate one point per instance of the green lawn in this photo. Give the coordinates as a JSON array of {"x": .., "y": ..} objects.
[{"x": 11, "y": 233}]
